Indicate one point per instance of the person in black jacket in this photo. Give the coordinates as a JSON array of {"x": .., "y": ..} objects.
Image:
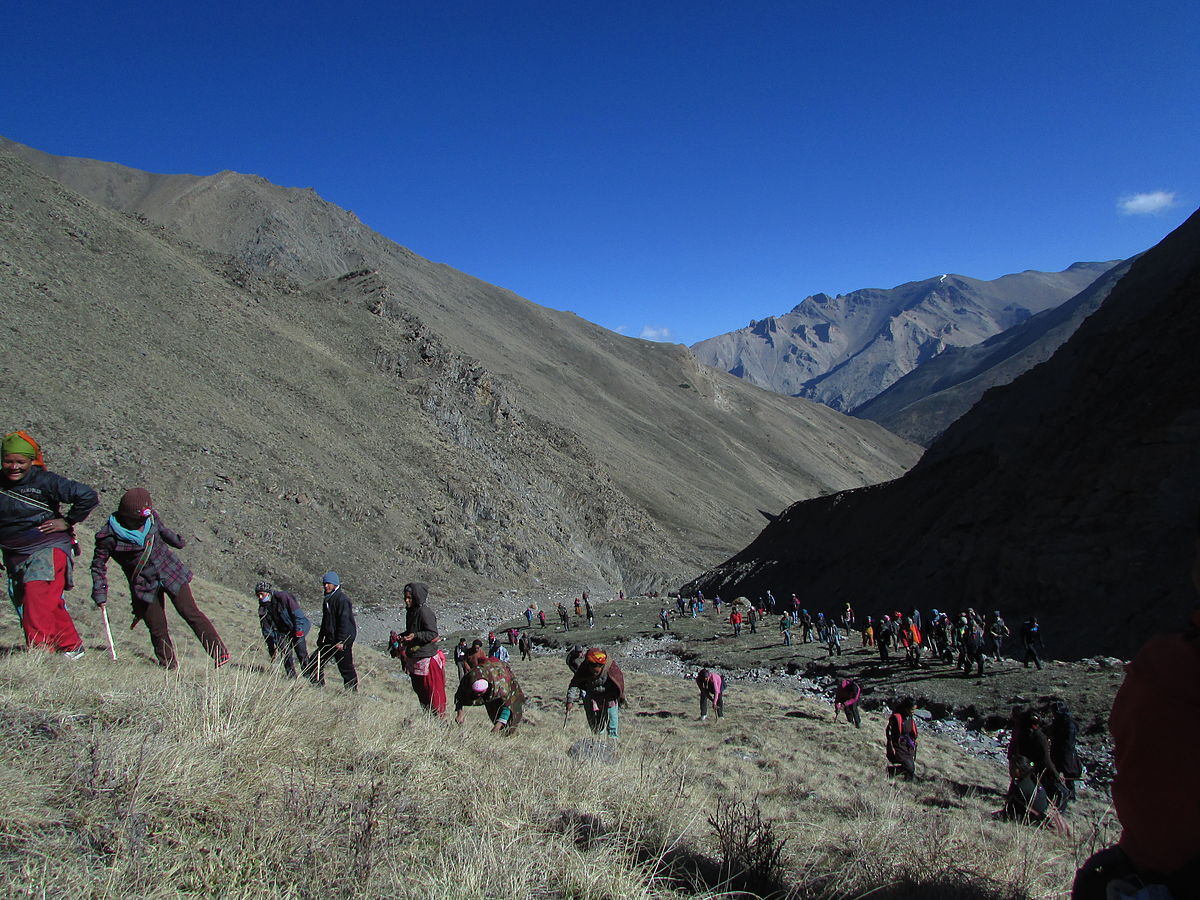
[
  {"x": 424, "y": 661},
  {"x": 335, "y": 641},
  {"x": 284, "y": 626}
]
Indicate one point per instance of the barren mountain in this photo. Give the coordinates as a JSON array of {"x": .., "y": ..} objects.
[
  {"x": 922, "y": 404},
  {"x": 844, "y": 350},
  {"x": 1070, "y": 493},
  {"x": 300, "y": 394}
]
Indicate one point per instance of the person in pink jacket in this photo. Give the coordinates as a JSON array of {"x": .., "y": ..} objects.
[{"x": 712, "y": 691}]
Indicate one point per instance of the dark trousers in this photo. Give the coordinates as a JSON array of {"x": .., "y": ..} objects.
[
  {"x": 289, "y": 646},
  {"x": 719, "y": 706},
  {"x": 852, "y": 715},
  {"x": 344, "y": 659},
  {"x": 1031, "y": 656},
  {"x": 155, "y": 616}
]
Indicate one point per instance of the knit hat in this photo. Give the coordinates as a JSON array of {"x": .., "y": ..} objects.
[
  {"x": 262, "y": 586},
  {"x": 20, "y": 443},
  {"x": 135, "y": 505},
  {"x": 480, "y": 686},
  {"x": 597, "y": 656},
  {"x": 331, "y": 578}
]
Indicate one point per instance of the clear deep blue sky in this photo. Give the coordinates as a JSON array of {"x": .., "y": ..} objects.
[{"x": 672, "y": 169}]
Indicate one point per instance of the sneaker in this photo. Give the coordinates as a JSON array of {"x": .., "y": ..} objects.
[{"x": 73, "y": 654}]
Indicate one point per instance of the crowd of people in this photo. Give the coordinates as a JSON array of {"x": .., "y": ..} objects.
[{"x": 1155, "y": 720}]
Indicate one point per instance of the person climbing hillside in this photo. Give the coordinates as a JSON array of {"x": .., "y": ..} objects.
[
  {"x": 1063, "y": 732},
  {"x": 599, "y": 685},
  {"x": 785, "y": 629},
  {"x": 137, "y": 539},
  {"x": 525, "y": 645},
  {"x": 712, "y": 693},
  {"x": 846, "y": 698},
  {"x": 1031, "y": 641},
  {"x": 424, "y": 661},
  {"x": 37, "y": 541},
  {"x": 1029, "y": 742},
  {"x": 284, "y": 626},
  {"x": 735, "y": 619},
  {"x": 335, "y": 639},
  {"x": 492, "y": 685},
  {"x": 901, "y": 740}
]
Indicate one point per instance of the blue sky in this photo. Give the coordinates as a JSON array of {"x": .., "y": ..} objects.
[{"x": 664, "y": 169}]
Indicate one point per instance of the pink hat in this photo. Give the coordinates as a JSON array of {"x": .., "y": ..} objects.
[{"x": 480, "y": 686}]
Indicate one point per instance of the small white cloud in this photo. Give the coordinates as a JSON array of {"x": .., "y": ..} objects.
[
  {"x": 650, "y": 333},
  {"x": 621, "y": 329},
  {"x": 1146, "y": 204}
]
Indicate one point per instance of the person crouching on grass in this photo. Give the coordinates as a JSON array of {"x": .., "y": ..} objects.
[
  {"x": 599, "y": 684},
  {"x": 38, "y": 544},
  {"x": 490, "y": 684},
  {"x": 140, "y": 543}
]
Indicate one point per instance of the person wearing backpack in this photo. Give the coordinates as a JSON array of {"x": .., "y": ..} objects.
[
  {"x": 284, "y": 627},
  {"x": 901, "y": 740},
  {"x": 846, "y": 697}
]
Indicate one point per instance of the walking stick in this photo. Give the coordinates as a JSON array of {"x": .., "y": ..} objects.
[{"x": 112, "y": 650}]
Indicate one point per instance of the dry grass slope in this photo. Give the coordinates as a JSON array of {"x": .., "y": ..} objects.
[{"x": 120, "y": 780}]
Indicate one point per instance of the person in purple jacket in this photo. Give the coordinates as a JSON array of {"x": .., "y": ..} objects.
[
  {"x": 141, "y": 544},
  {"x": 846, "y": 697}
]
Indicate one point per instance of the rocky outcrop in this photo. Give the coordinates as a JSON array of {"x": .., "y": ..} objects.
[
  {"x": 1070, "y": 493},
  {"x": 922, "y": 404},
  {"x": 843, "y": 351}
]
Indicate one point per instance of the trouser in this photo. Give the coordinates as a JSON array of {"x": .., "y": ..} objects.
[
  {"x": 1031, "y": 656},
  {"x": 44, "y": 615},
  {"x": 290, "y": 645},
  {"x": 719, "y": 706},
  {"x": 155, "y": 615},
  {"x": 344, "y": 659},
  {"x": 737, "y": 629},
  {"x": 808, "y": 634},
  {"x": 852, "y": 715},
  {"x": 787, "y": 639},
  {"x": 904, "y": 766},
  {"x": 602, "y": 718}
]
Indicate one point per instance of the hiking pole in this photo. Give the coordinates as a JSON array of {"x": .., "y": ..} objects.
[{"x": 112, "y": 650}]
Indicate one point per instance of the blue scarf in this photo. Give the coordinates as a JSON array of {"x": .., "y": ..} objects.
[{"x": 132, "y": 537}]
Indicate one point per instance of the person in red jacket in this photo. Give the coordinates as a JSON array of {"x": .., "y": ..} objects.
[
  {"x": 901, "y": 738},
  {"x": 735, "y": 619}
]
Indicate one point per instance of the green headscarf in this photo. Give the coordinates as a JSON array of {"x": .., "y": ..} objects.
[{"x": 16, "y": 443}]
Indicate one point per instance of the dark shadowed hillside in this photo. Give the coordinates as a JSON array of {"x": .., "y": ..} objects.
[
  {"x": 1071, "y": 492},
  {"x": 300, "y": 393}
]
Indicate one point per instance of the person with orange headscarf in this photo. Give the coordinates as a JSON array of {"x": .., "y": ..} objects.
[
  {"x": 599, "y": 684},
  {"x": 38, "y": 542}
]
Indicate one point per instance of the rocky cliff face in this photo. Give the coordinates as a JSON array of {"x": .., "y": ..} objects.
[
  {"x": 842, "y": 351},
  {"x": 300, "y": 393},
  {"x": 1071, "y": 492},
  {"x": 922, "y": 404}
]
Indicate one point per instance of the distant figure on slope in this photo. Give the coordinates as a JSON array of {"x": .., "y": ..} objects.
[
  {"x": 833, "y": 638},
  {"x": 1029, "y": 742},
  {"x": 564, "y": 617},
  {"x": 141, "y": 544},
  {"x": 868, "y": 633},
  {"x": 785, "y": 629},
  {"x": 578, "y": 607},
  {"x": 525, "y": 645},
  {"x": 529, "y": 615},
  {"x": 38, "y": 542},
  {"x": 599, "y": 684},
  {"x": 884, "y": 638},
  {"x": 664, "y": 619},
  {"x": 1063, "y": 733},
  {"x": 284, "y": 625},
  {"x": 589, "y": 612},
  {"x": 752, "y": 619},
  {"x": 491, "y": 684},
  {"x": 335, "y": 640},
  {"x": 846, "y": 697},
  {"x": 712, "y": 691},
  {"x": 901, "y": 740},
  {"x": 997, "y": 632},
  {"x": 423, "y": 660},
  {"x": 910, "y": 639},
  {"x": 806, "y": 623},
  {"x": 542, "y": 618},
  {"x": 1031, "y": 640},
  {"x": 735, "y": 619},
  {"x": 461, "y": 652}
]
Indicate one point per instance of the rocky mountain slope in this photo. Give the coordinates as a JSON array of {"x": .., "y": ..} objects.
[
  {"x": 1070, "y": 493},
  {"x": 844, "y": 350},
  {"x": 922, "y": 404},
  {"x": 300, "y": 393}
]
